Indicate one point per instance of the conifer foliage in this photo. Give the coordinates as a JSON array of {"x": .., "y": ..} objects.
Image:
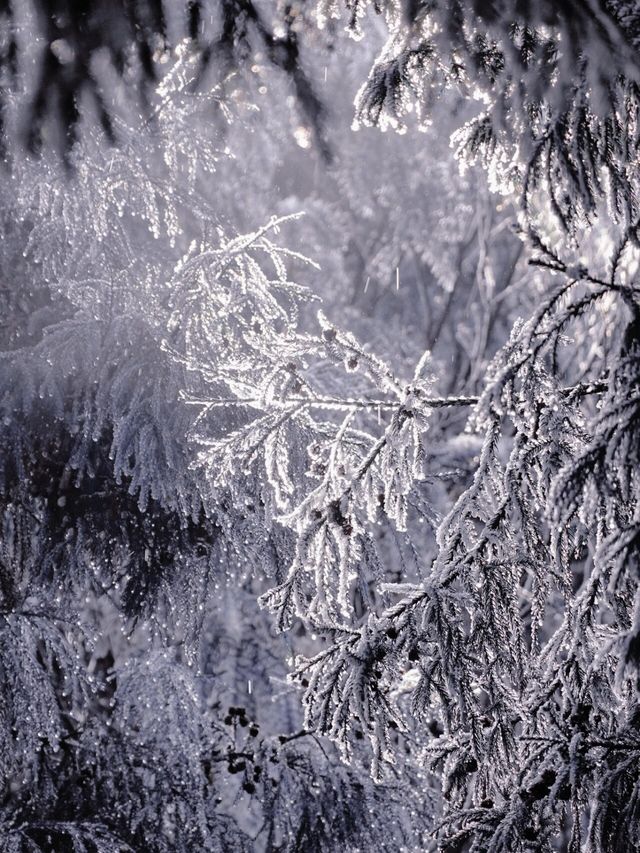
[{"x": 319, "y": 465}]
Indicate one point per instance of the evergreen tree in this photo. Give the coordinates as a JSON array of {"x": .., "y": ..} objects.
[{"x": 320, "y": 532}]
